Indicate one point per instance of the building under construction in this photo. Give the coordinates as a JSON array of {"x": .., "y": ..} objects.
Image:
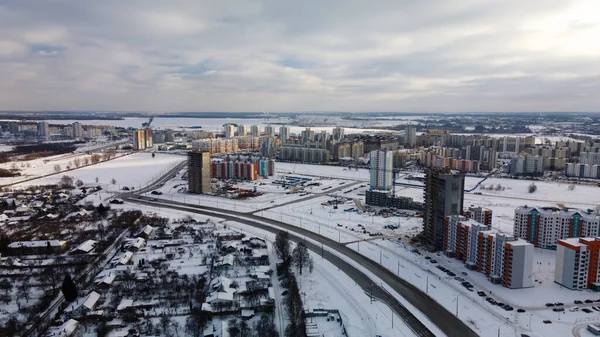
[
  {"x": 198, "y": 172},
  {"x": 443, "y": 194}
]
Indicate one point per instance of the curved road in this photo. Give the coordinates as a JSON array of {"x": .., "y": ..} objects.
[{"x": 444, "y": 320}]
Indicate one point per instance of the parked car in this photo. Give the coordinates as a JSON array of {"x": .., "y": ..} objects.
[
  {"x": 549, "y": 304},
  {"x": 589, "y": 301},
  {"x": 156, "y": 192},
  {"x": 557, "y": 309},
  {"x": 117, "y": 201},
  {"x": 520, "y": 310},
  {"x": 578, "y": 302}
]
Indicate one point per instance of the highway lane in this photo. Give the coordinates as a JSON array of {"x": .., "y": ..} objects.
[{"x": 443, "y": 319}]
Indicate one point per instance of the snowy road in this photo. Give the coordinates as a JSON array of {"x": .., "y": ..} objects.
[{"x": 444, "y": 320}]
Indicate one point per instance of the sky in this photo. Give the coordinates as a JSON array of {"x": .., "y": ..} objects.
[{"x": 293, "y": 56}]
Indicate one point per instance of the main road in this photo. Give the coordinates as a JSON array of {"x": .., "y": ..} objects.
[{"x": 443, "y": 319}]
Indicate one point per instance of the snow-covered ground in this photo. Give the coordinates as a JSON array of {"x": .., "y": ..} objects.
[{"x": 135, "y": 170}]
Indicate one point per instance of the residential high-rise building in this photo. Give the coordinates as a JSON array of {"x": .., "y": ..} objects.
[
  {"x": 481, "y": 215},
  {"x": 444, "y": 192},
  {"x": 381, "y": 170},
  {"x": 198, "y": 170},
  {"x": 337, "y": 133},
  {"x": 307, "y": 135},
  {"x": 255, "y": 131},
  {"x": 284, "y": 134},
  {"x": 139, "y": 140},
  {"x": 77, "y": 130},
  {"x": 303, "y": 154},
  {"x": 527, "y": 165},
  {"x": 242, "y": 130},
  {"x": 268, "y": 147},
  {"x": 229, "y": 130},
  {"x": 148, "y": 138},
  {"x": 269, "y": 131},
  {"x": 544, "y": 226},
  {"x": 576, "y": 266},
  {"x": 43, "y": 129},
  {"x": 410, "y": 136},
  {"x": 503, "y": 259}
]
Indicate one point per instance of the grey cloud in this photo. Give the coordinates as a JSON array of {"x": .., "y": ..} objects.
[{"x": 272, "y": 55}]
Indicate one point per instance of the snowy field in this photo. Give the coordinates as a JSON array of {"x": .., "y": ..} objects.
[{"x": 135, "y": 170}]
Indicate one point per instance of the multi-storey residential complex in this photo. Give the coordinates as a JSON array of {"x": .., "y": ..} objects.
[
  {"x": 444, "y": 191},
  {"x": 268, "y": 146},
  {"x": 242, "y": 169},
  {"x": 577, "y": 265},
  {"x": 198, "y": 170},
  {"x": 242, "y": 130},
  {"x": 349, "y": 149},
  {"x": 544, "y": 226},
  {"x": 481, "y": 215},
  {"x": 337, "y": 133},
  {"x": 527, "y": 165},
  {"x": 410, "y": 136},
  {"x": 503, "y": 259},
  {"x": 229, "y": 131},
  {"x": 284, "y": 134},
  {"x": 214, "y": 146},
  {"x": 142, "y": 139},
  {"x": 589, "y": 157},
  {"x": 43, "y": 129},
  {"x": 248, "y": 143},
  {"x": 269, "y": 131},
  {"x": 77, "y": 130},
  {"x": 583, "y": 171},
  {"x": 431, "y": 160},
  {"x": 307, "y": 135},
  {"x": 381, "y": 170},
  {"x": 255, "y": 130},
  {"x": 303, "y": 154}
]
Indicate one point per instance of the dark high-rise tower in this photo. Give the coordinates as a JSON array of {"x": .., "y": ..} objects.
[
  {"x": 444, "y": 191},
  {"x": 198, "y": 172}
]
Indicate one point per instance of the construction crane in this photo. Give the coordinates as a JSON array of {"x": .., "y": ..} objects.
[{"x": 147, "y": 124}]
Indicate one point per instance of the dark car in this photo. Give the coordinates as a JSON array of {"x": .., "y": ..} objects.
[
  {"x": 125, "y": 188},
  {"x": 557, "y": 309},
  {"x": 549, "y": 304},
  {"x": 450, "y": 273},
  {"x": 578, "y": 302},
  {"x": 589, "y": 301},
  {"x": 508, "y": 308},
  {"x": 558, "y": 304},
  {"x": 433, "y": 261},
  {"x": 481, "y": 293},
  {"x": 586, "y": 310},
  {"x": 116, "y": 201},
  {"x": 156, "y": 192},
  {"x": 520, "y": 310}
]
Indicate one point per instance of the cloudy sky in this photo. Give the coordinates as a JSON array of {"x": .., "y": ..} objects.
[{"x": 310, "y": 55}]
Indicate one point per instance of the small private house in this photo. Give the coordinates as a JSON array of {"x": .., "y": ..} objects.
[
  {"x": 70, "y": 328},
  {"x": 41, "y": 247},
  {"x": 146, "y": 232},
  {"x": 84, "y": 306},
  {"x": 226, "y": 263},
  {"x": 86, "y": 247}
]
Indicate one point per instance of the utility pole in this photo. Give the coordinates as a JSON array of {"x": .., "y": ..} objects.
[{"x": 380, "y": 253}]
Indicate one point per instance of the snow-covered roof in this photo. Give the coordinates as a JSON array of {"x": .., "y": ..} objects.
[
  {"x": 91, "y": 300},
  {"x": 126, "y": 258},
  {"x": 227, "y": 260},
  {"x": 108, "y": 279},
  {"x": 67, "y": 328},
  {"x": 124, "y": 304},
  {"x": 42, "y": 243},
  {"x": 246, "y": 313},
  {"x": 220, "y": 296},
  {"x": 87, "y": 246}
]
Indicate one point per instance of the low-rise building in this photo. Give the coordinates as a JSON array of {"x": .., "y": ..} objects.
[{"x": 37, "y": 247}]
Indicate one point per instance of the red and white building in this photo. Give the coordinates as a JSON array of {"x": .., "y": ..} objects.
[
  {"x": 503, "y": 259},
  {"x": 577, "y": 264}
]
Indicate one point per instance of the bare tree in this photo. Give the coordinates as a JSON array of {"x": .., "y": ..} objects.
[
  {"x": 282, "y": 245},
  {"x": 113, "y": 181},
  {"x": 301, "y": 258},
  {"x": 24, "y": 288},
  {"x": 77, "y": 162},
  {"x": 66, "y": 182},
  {"x": 532, "y": 188},
  {"x": 95, "y": 158},
  {"x": 86, "y": 160},
  {"x": 57, "y": 168}
]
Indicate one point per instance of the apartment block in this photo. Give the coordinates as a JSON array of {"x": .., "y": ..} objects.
[
  {"x": 544, "y": 226},
  {"x": 381, "y": 170},
  {"x": 577, "y": 265},
  {"x": 481, "y": 215},
  {"x": 198, "y": 170},
  {"x": 504, "y": 259}
]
